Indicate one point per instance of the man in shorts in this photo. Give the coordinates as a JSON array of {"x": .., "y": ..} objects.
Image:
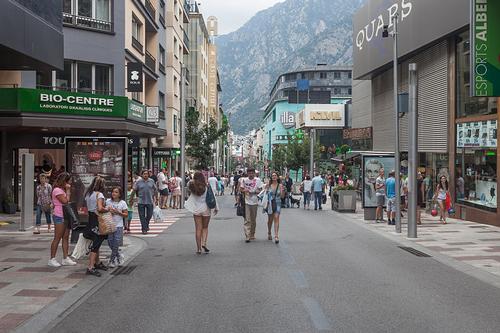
[
  {"x": 380, "y": 193},
  {"x": 163, "y": 188},
  {"x": 390, "y": 190}
]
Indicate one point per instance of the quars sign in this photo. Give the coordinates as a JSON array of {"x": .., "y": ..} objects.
[{"x": 376, "y": 26}]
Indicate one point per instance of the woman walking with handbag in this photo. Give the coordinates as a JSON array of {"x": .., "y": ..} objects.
[
  {"x": 44, "y": 203},
  {"x": 94, "y": 199},
  {"x": 61, "y": 196},
  {"x": 442, "y": 193},
  {"x": 275, "y": 193},
  {"x": 201, "y": 202}
]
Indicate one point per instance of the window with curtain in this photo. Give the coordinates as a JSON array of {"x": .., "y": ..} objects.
[
  {"x": 84, "y": 8},
  {"x": 102, "y": 10}
]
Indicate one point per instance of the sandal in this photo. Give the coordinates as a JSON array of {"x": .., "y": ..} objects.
[
  {"x": 276, "y": 240},
  {"x": 101, "y": 266},
  {"x": 206, "y": 249}
]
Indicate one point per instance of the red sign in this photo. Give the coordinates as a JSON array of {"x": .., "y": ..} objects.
[{"x": 95, "y": 155}]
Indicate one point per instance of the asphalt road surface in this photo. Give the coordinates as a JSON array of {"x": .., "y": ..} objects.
[{"x": 327, "y": 274}]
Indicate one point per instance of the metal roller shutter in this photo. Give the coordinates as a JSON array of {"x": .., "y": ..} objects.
[{"x": 432, "y": 103}]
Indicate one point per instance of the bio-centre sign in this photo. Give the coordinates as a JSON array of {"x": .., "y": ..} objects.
[
  {"x": 485, "y": 61},
  {"x": 46, "y": 101}
]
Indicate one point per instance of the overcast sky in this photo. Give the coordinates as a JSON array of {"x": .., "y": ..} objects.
[{"x": 232, "y": 14}]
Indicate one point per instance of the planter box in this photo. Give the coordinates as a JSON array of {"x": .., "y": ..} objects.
[{"x": 344, "y": 201}]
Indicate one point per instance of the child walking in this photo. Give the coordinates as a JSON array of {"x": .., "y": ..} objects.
[
  {"x": 130, "y": 203},
  {"x": 119, "y": 209}
]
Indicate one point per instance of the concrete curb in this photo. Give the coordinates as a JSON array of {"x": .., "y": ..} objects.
[
  {"x": 53, "y": 314},
  {"x": 477, "y": 273}
]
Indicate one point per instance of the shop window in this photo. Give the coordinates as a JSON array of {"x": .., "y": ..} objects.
[
  {"x": 102, "y": 79},
  {"x": 84, "y": 77},
  {"x": 469, "y": 106},
  {"x": 476, "y": 183}
]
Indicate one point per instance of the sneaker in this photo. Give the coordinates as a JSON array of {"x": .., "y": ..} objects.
[
  {"x": 121, "y": 256},
  {"x": 119, "y": 261},
  {"x": 54, "y": 263},
  {"x": 93, "y": 272},
  {"x": 68, "y": 262},
  {"x": 111, "y": 264}
]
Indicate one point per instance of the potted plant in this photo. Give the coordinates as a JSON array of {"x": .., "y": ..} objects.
[
  {"x": 344, "y": 197},
  {"x": 9, "y": 206}
]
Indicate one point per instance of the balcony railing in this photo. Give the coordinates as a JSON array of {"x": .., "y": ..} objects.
[
  {"x": 151, "y": 9},
  {"x": 87, "y": 22},
  {"x": 150, "y": 61},
  {"x": 137, "y": 45}
]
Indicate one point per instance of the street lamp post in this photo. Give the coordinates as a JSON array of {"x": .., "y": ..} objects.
[
  {"x": 183, "y": 135},
  {"x": 397, "y": 162}
]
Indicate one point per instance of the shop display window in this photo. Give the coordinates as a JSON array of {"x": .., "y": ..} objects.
[{"x": 476, "y": 182}]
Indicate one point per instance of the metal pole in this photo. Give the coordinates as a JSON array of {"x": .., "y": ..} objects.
[
  {"x": 183, "y": 135},
  {"x": 396, "y": 111},
  {"x": 311, "y": 153},
  {"x": 412, "y": 152},
  {"x": 27, "y": 190}
]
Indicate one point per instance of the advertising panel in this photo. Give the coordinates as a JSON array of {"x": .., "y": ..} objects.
[
  {"x": 480, "y": 134},
  {"x": 136, "y": 111},
  {"x": 485, "y": 50},
  {"x": 134, "y": 77},
  {"x": 322, "y": 116},
  {"x": 371, "y": 166},
  {"x": 88, "y": 157}
]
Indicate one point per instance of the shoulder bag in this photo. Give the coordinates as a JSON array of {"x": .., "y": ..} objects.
[
  {"x": 210, "y": 198},
  {"x": 106, "y": 224}
]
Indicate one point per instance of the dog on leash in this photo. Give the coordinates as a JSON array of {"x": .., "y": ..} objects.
[{"x": 294, "y": 201}]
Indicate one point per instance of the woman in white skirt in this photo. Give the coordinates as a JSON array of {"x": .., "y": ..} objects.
[{"x": 197, "y": 204}]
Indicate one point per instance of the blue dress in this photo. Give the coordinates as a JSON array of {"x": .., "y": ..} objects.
[{"x": 276, "y": 194}]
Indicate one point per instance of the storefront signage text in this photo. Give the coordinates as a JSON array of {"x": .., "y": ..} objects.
[
  {"x": 376, "y": 26},
  {"x": 287, "y": 119},
  {"x": 325, "y": 115},
  {"x": 136, "y": 111},
  {"x": 64, "y": 102},
  {"x": 358, "y": 133},
  {"x": 485, "y": 31}
]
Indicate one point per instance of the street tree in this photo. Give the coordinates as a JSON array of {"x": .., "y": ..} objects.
[{"x": 200, "y": 138}]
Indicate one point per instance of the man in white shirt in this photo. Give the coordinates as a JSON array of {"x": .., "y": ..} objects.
[
  {"x": 163, "y": 188},
  {"x": 212, "y": 181},
  {"x": 250, "y": 187}
]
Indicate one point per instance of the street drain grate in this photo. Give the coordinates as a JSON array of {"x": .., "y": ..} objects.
[
  {"x": 124, "y": 270},
  {"x": 414, "y": 251}
]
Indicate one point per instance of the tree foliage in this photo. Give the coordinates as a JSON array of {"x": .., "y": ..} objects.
[
  {"x": 200, "y": 138},
  {"x": 294, "y": 155}
]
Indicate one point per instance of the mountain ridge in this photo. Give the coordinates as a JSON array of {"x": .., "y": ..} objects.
[{"x": 288, "y": 36}]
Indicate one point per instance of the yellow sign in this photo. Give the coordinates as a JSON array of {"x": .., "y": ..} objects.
[{"x": 325, "y": 115}]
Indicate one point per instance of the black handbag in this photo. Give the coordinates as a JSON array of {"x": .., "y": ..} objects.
[
  {"x": 70, "y": 216},
  {"x": 240, "y": 209}
]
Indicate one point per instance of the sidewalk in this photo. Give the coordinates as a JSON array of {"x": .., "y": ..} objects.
[
  {"x": 470, "y": 243},
  {"x": 28, "y": 285}
]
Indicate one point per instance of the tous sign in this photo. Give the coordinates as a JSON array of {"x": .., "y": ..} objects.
[{"x": 373, "y": 28}]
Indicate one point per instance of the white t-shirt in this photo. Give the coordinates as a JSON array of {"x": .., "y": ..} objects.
[
  {"x": 179, "y": 183},
  {"x": 308, "y": 185},
  {"x": 91, "y": 201},
  {"x": 161, "y": 179},
  {"x": 213, "y": 183},
  {"x": 120, "y": 206},
  {"x": 231, "y": 181},
  {"x": 254, "y": 186}
]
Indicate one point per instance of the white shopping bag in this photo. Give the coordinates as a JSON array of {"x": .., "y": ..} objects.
[
  {"x": 157, "y": 215},
  {"x": 82, "y": 247}
]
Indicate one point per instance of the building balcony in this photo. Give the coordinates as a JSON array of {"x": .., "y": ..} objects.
[
  {"x": 150, "y": 61},
  {"x": 137, "y": 45},
  {"x": 150, "y": 9},
  {"x": 87, "y": 23}
]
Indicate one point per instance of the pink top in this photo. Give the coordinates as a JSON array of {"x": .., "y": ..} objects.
[{"x": 58, "y": 210}]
